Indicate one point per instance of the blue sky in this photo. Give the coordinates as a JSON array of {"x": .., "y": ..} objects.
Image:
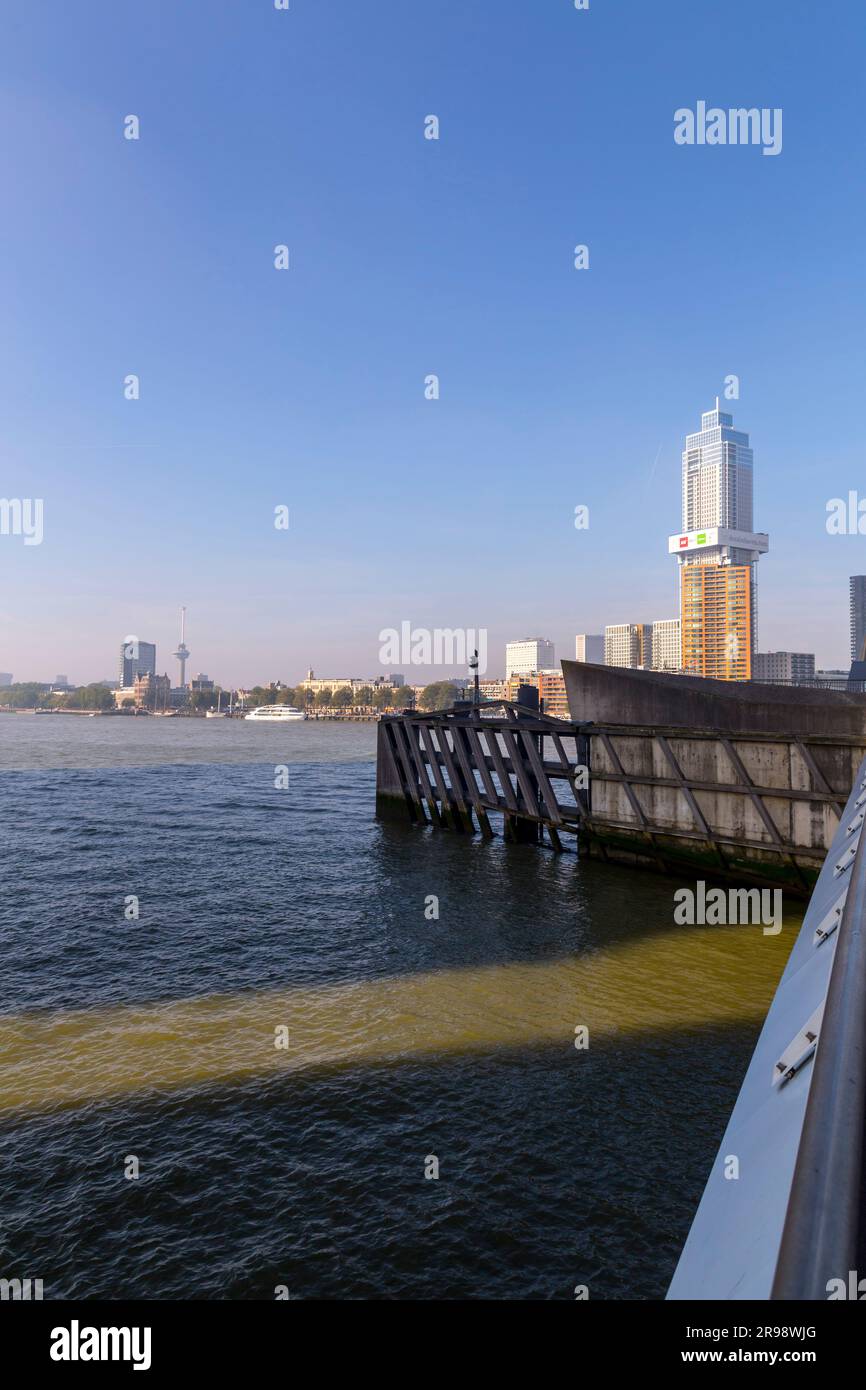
[{"x": 408, "y": 257}]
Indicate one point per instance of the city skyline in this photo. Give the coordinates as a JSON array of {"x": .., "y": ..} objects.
[
  {"x": 249, "y": 400},
  {"x": 693, "y": 509},
  {"x": 411, "y": 834},
  {"x": 717, "y": 492},
  {"x": 649, "y": 645}
]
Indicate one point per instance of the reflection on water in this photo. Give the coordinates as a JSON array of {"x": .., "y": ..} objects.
[
  {"x": 407, "y": 1037},
  {"x": 667, "y": 982}
]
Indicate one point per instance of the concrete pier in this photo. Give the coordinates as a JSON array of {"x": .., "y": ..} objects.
[{"x": 748, "y": 787}]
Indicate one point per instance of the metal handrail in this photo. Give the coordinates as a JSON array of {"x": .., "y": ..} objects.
[{"x": 823, "y": 1231}]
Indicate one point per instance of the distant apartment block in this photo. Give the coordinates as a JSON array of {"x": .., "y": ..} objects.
[
  {"x": 551, "y": 691},
  {"x": 718, "y": 621},
  {"x": 550, "y": 686},
  {"x": 513, "y": 683},
  {"x": 5, "y": 677},
  {"x": 628, "y": 644},
  {"x": 589, "y": 647},
  {"x": 667, "y": 653},
  {"x": 493, "y": 690},
  {"x": 857, "y": 605},
  {"x": 136, "y": 659},
  {"x": 528, "y": 655},
  {"x": 783, "y": 666}
]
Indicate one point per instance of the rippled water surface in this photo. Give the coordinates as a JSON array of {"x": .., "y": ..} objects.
[{"x": 264, "y": 910}]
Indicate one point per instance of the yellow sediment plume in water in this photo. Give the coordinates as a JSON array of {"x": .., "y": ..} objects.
[{"x": 661, "y": 981}]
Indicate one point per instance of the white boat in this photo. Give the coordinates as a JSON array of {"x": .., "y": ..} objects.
[
  {"x": 275, "y": 713},
  {"x": 218, "y": 713}
]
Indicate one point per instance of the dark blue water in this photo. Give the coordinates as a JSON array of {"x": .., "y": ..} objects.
[{"x": 556, "y": 1167}]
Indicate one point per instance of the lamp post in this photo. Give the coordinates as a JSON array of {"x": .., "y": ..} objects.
[{"x": 473, "y": 667}]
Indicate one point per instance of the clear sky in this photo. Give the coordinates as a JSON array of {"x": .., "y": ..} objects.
[{"x": 408, "y": 256}]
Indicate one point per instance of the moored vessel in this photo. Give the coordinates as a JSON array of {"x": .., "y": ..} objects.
[{"x": 275, "y": 714}]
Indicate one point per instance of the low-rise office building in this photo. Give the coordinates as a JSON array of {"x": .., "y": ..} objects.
[{"x": 784, "y": 667}]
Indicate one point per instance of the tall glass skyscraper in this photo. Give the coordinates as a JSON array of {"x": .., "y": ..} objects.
[
  {"x": 717, "y": 551},
  {"x": 717, "y": 476},
  {"x": 136, "y": 659}
]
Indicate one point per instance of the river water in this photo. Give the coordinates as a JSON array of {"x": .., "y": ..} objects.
[{"x": 286, "y": 1040}]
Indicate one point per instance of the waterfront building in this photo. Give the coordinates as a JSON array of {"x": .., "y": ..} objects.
[
  {"x": 5, "y": 678},
  {"x": 717, "y": 551},
  {"x": 151, "y": 691},
  {"x": 148, "y": 691},
  {"x": 136, "y": 659},
  {"x": 857, "y": 612},
  {"x": 529, "y": 655},
  {"x": 589, "y": 647},
  {"x": 550, "y": 685},
  {"x": 202, "y": 682},
  {"x": 513, "y": 684},
  {"x": 628, "y": 644},
  {"x": 787, "y": 667},
  {"x": 667, "y": 645},
  {"x": 312, "y": 683},
  {"x": 551, "y": 691},
  {"x": 493, "y": 690}
]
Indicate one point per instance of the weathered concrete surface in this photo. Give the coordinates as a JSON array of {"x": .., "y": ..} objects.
[
  {"x": 729, "y": 836},
  {"x": 617, "y": 695}
]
